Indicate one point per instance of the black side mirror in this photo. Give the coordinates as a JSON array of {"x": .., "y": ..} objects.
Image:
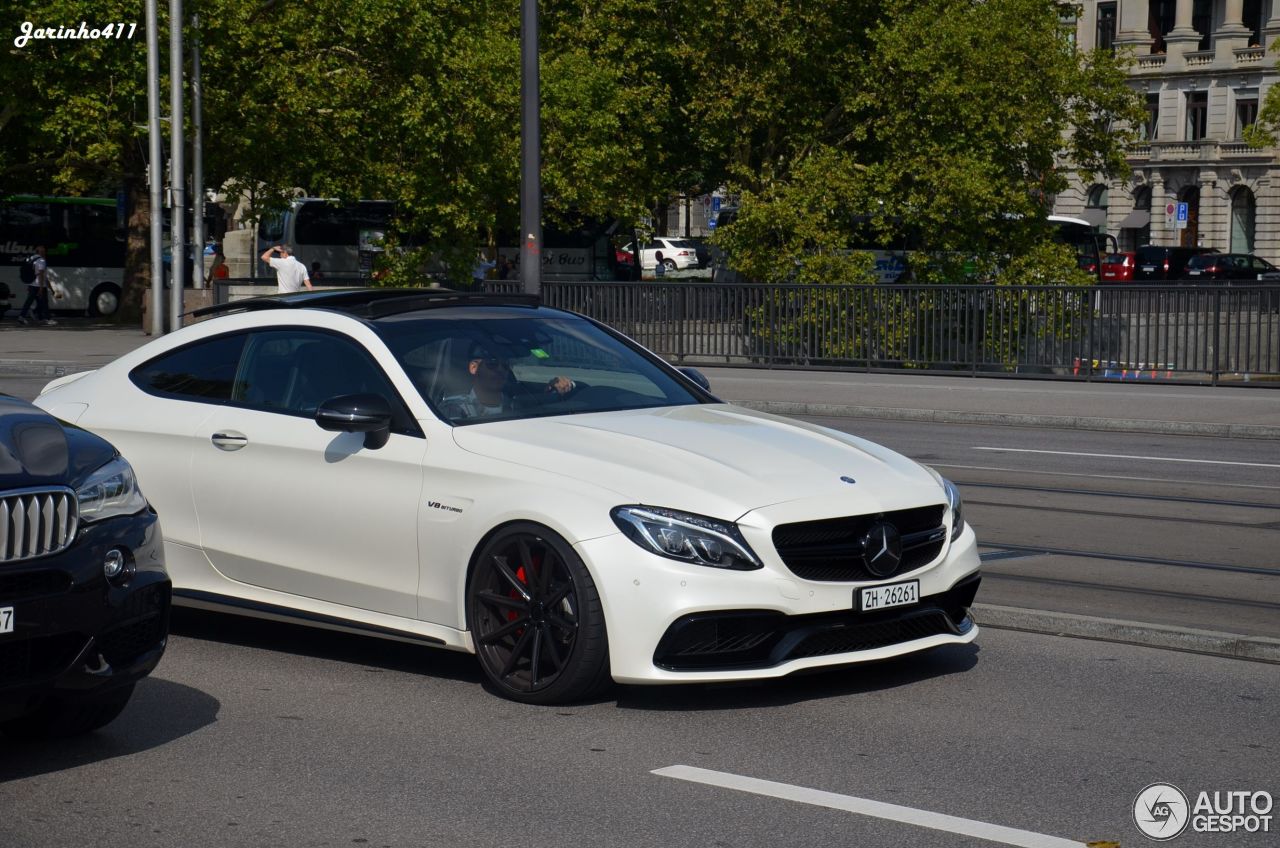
[
  {"x": 369, "y": 414},
  {"x": 698, "y": 377}
]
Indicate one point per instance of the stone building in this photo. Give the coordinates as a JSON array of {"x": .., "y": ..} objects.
[{"x": 1204, "y": 67}]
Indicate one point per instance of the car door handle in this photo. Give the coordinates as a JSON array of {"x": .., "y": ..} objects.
[{"x": 229, "y": 441}]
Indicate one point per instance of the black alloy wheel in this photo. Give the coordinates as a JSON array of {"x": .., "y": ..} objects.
[{"x": 536, "y": 618}]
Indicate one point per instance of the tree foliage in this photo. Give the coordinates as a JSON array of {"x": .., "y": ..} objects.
[{"x": 957, "y": 116}]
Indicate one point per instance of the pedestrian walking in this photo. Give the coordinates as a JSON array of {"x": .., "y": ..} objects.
[
  {"x": 291, "y": 275},
  {"x": 35, "y": 273},
  {"x": 218, "y": 270}
]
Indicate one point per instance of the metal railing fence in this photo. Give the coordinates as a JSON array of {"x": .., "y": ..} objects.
[{"x": 1172, "y": 332}]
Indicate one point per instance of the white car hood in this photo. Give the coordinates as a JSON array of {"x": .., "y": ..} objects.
[{"x": 718, "y": 460}]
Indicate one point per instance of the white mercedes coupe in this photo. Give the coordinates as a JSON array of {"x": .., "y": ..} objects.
[{"x": 486, "y": 474}]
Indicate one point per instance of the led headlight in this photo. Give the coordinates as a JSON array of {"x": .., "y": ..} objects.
[
  {"x": 957, "y": 508},
  {"x": 953, "y": 503},
  {"x": 685, "y": 537},
  {"x": 110, "y": 491}
]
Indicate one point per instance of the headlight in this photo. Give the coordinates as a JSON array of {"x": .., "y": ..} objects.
[
  {"x": 957, "y": 513},
  {"x": 110, "y": 491},
  {"x": 688, "y": 538}
]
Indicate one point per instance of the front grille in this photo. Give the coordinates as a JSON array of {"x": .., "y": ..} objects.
[
  {"x": 35, "y": 659},
  {"x": 37, "y": 584},
  {"x": 831, "y": 549},
  {"x": 36, "y": 522}
]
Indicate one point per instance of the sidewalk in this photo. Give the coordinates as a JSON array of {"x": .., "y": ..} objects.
[{"x": 1135, "y": 406}]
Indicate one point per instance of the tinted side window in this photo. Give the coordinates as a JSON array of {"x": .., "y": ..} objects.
[
  {"x": 203, "y": 371},
  {"x": 295, "y": 370}
]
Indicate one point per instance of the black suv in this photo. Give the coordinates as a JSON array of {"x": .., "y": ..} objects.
[
  {"x": 84, "y": 596},
  {"x": 1155, "y": 262}
]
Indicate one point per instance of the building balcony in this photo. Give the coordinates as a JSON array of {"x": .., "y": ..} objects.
[
  {"x": 1249, "y": 56},
  {"x": 1203, "y": 152}
]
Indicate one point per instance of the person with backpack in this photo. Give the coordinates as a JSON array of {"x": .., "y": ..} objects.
[{"x": 35, "y": 273}]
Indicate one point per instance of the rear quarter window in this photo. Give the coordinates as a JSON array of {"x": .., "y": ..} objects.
[{"x": 205, "y": 371}]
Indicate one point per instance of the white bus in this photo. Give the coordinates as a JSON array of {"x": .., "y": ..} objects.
[
  {"x": 85, "y": 240},
  {"x": 324, "y": 231}
]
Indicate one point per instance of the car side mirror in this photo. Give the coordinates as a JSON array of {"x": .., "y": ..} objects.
[
  {"x": 368, "y": 413},
  {"x": 698, "y": 377}
]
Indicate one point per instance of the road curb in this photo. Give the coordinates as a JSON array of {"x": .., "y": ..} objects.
[
  {"x": 1065, "y": 422},
  {"x": 1233, "y": 645}
]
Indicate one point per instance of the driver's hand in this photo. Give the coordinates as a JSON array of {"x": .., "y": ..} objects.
[{"x": 560, "y": 385}]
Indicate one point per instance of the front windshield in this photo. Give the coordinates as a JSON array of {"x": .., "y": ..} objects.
[{"x": 490, "y": 364}]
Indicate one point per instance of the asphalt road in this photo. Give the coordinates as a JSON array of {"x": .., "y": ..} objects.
[
  {"x": 259, "y": 734},
  {"x": 1173, "y": 530}
]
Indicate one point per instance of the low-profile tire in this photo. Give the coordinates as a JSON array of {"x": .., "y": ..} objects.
[
  {"x": 104, "y": 301},
  {"x": 536, "y": 618},
  {"x": 62, "y": 717}
]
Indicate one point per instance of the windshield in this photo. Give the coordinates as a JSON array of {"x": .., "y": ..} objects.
[{"x": 489, "y": 364}]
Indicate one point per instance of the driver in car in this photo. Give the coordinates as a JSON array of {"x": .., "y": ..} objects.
[{"x": 491, "y": 394}]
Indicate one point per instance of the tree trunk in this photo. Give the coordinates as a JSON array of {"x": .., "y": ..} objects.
[{"x": 136, "y": 287}]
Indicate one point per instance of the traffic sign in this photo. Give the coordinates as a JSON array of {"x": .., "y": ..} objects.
[
  {"x": 1182, "y": 217},
  {"x": 711, "y": 223},
  {"x": 715, "y": 204}
]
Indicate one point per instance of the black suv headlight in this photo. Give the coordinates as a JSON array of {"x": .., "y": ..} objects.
[
  {"x": 686, "y": 537},
  {"x": 110, "y": 491}
]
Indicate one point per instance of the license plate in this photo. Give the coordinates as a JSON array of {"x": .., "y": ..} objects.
[
  {"x": 6, "y": 619},
  {"x": 1148, "y": 269},
  {"x": 892, "y": 595},
  {"x": 1194, "y": 273}
]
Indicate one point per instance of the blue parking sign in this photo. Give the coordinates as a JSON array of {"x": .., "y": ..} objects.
[
  {"x": 1182, "y": 211},
  {"x": 715, "y": 204}
]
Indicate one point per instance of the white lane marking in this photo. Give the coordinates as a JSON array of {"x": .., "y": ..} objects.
[
  {"x": 1032, "y": 472},
  {"x": 865, "y": 807},
  {"x": 1128, "y": 456}
]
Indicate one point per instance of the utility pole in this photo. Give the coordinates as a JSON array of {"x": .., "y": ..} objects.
[
  {"x": 177, "y": 172},
  {"x": 155, "y": 170},
  {"x": 197, "y": 160},
  {"x": 530, "y": 153}
]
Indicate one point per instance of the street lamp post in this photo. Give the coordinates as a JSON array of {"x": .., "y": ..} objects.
[
  {"x": 177, "y": 172},
  {"x": 155, "y": 169},
  {"x": 530, "y": 153}
]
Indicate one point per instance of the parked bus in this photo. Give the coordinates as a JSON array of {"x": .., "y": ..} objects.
[
  {"x": 1090, "y": 245},
  {"x": 85, "y": 240},
  {"x": 332, "y": 232}
]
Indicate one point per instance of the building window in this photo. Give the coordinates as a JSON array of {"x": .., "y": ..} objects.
[
  {"x": 1254, "y": 20},
  {"x": 1246, "y": 113},
  {"x": 1105, "y": 39},
  {"x": 1197, "y": 115},
  {"x": 1150, "y": 129},
  {"x": 1068, "y": 20},
  {"x": 1202, "y": 21},
  {"x": 1243, "y": 210},
  {"x": 1160, "y": 18}
]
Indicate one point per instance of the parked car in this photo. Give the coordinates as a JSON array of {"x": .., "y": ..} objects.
[
  {"x": 486, "y": 474},
  {"x": 1156, "y": 262},
  {"x": 1117, "y": 267},
  {"x": 1231, "y": 266},
  {"x": 84, "y": 597},
  {"x": 677, "y": 254}
]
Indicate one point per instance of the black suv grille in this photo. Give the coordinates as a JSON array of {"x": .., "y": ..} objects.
[
  {"x": 36, "y": 522},
  {"x": 831, "y": 549},
  {"x": 37, "y": 584},
  {"x": 34, "y": 659}
]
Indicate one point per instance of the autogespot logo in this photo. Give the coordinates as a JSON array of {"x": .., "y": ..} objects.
[{"x": 1161, "y": 811}]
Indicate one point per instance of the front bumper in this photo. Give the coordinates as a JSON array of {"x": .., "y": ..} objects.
[
  {"x": 669, "y": 622},
  {"x": 75, "y": 633}
]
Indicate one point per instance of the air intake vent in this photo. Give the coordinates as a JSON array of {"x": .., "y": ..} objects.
[{"x": 36, "y": 523}]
